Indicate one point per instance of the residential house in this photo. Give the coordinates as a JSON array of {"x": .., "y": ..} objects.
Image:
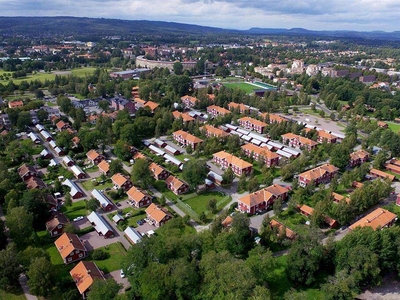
[
  {"x": 176, "y": 185},
  {"x": 381, "y": 174},
  {"x": 227, "y": 160},
  {"x": 45, "y": 154},
  {"x": 158, "y": 215},
  {"x": 55, "y": 226},
  {"x": 272, "y": 118},
  {"x": 105, "y": 203},
  {"x": 298, "y": 141},
  {"x": 52, "y": 203},
  {"x": 26, "y": 171},
  {"x": 262, "y": 199},
  {"x": 270, "y": 158},
  {"x": 47, "y": 136},
  {"x": 75, "y": 190},
  {"x": 121, "y": 181},
  {"x": 393, "y": 168},
  {"x": 186, "y": 118},
  {"x": 322, "y": 174},
  {"x": 326, "y": 137},
  {"x": 15, "y": 104},
  {"x": 138, "y": 197},
  {"x": 368, "y": 79},
  {"x": 34, "y": 138},
  {"x": 118, "y": 218},
  {"x": 71, "y": 248},
  {"x": 379, "y": 218},
  {"x": 35, "y": 183},
  {"x": 290, "y": 234},
  {"x": 68, "y": 161},
  {"x": 337, "y": 198},
  {"x": 78, "y": 173},
  {"x": 211, "y": 131},
  {"x": 382, "y": 124},
  {"x": 185, "y": 139},
  {"x": 308, "y": 211},
  {"x": 158, "y": 172},
  {"x": 253, "y": 124},
  {"x": 100, "y": 225},
  {"x": 227, "y": 222},
  {"x": 133, "y": 236},
  {"x": 359, "y": 157},
  {"x": 189, "y": 101},
  {"x": 152, "y": 106},
  {"x": 84, "y": 274},
  {"x": 61, "y": 125},
  {"x": 217, "y": 111},
  {"x": 243, "y": 109},
  {"x": 104, "y": 167},
  {"x": 94, "y": 157},
  {"x": 119, "y": 103}
]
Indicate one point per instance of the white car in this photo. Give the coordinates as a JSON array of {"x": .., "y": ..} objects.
[
  {"x": 78, "y": 218},
  {"x": 122, "y": 274}
]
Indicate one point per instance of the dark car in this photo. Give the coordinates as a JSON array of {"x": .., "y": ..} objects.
[{"x": 139, "y": 222}]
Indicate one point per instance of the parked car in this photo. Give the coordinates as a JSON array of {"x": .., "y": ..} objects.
[
  {"x": 139, "y": 222},
  {"x": 127, "y": 215},
  {"x": 78, "y": 218},
  {"x": 122, "y": 274},
  {"x": 118, "y": 204}
]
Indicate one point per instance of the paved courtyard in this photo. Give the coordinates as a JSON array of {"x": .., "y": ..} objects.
[
  {"x": 117, "y": 277},
  {"x": 93, "y": 241}
]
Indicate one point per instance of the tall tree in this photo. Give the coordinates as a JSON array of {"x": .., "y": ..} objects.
[
  {"x": 141, "y": 173},
  {"x": 41, "y": 276},
  {"x": 103, "y": 289},
  {"x": 9, "y": 267},
  {"x": 19, "y": 223},
  {"x": 194, "y": 172}
]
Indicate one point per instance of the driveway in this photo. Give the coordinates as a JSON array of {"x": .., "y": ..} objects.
[
  {"x": 82, "y": 223},
  {"x": 117, "y": 277},
  {"x": 93, "y": 241},
  {"x": 146, "y": 227},
  {"x": 214, "y": 168}
]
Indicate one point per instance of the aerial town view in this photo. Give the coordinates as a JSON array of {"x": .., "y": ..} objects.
[{"x": 163, "y": 160}]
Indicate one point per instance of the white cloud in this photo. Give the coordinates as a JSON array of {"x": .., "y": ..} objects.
[{"x": 240, "y": 14}]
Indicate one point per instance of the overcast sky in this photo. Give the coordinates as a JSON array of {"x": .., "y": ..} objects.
[{"x": 361, "y": 15}]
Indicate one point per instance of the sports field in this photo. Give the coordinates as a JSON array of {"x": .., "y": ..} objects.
[
  {"x": 394, "y": 127},
  {"x": 248, "y": 88},
  {"x": 81, "y": 72}
]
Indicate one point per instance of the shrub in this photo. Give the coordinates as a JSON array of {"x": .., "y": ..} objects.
[{"x": 99, "y": 254}]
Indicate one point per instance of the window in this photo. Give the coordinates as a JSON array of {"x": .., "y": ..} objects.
[
  {"x": 69, "y": 259},
  {"x": 59, "y": 226},
  {"x": 80, "y": 255}
]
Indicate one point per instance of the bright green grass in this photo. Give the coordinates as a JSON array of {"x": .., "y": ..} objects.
[
  {"x": 199, "y": 203},
  {"x": 116, "y": 253},
  {"x": 75, "y": 210},
  {"x": 248, "y": 88},
  {"x": 89, "y": 185},
  {"x": 11, "y": 296},
  {"x": 81, "y": 72},
  {"x": 394, "y": 127}
]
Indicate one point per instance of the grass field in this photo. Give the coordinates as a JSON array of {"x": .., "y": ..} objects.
[
  {"x": 248, "y": 88},
  {"x": 75, "y": 210},
  {"x": 394, "y": 127},
  {"x": 11, "y": 296},
  {"x": 199, "y": 203},
  {"x": 116, "y": 253},
  {"x": 89, "y": 186},
  {"x": 81, "y": 72}
]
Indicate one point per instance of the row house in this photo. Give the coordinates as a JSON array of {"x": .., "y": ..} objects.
[
  {"x": 253, "y": 124},
  {"x": 35, "y": 183},
  {"x": 121, "y": 181},
  {"x": 75, "y": 190},
  {"x": 262, "y": 199},
  {"x": 185, "y": 139},
  {"x": 359, "y": 157},
  {"x": 326, "y": 137},
  {"x": 175, "y": 185},
  {"x": 84, "y": 274},
  {"x": 158, "y": 215},
  {"x": 186, "y": 118},
  {"x": 71, "y": 248},
  {"x": 298, "y": 141},
  {"x": 158, "y": 172},
  {"x": 94, "y": 157},
  {"x": 318, "y": 175},
  {"x": 270, "y": 158},
  {"x": 217, "y": 111},
  {"x": 78, "y": 172},
  {"x": 26, "y": 171},
  {"x": 100, "y": 225},
  {"x": 378, "y": 219},
  {"x": 227, "y": 160},
  {"x": 211, "y": 131},
  {"x": 272, "y": 118},
  {"x": 393, "y": 168},
  {"x": 381, "y": 174},
  {"x": 104, "y": 202},
  {"x": 138, "y": 197},
  {"x": 189, "y": 101},
  {"x": 243, "y": 109}
]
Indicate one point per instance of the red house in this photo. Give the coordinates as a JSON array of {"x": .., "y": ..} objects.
[
  {"x": 262, "y": 199},
  {"x": 26, "y": 172},
  {"x": 176, "y": 185},
  {"x": 227, "y": 160},
  {"x": 104, "y": 167},
  {"x": 71, "y": 248},
  {"x": 318, "y": 175},
  {"x": 121, "y": 181},
  {"x": 211, "y": 131},
  {"x": 159, "y": 173},
  {"x": 138, "y": 197},
  {"x": 359, "y": 157},
  {"x": 217, "y": 111},
  {"x": 185, "y": 139},
  {"x": 84, "y": 274},
  {"x": 61, "y": 125},
  {"x": 270, "y": 158},
  {"x": 189, "y": 101},
  {"x": 298, "y": 141},
  {"x": 243, "y": 109},
  {"x": 94, "y": 157},
  {"x": 55, "y": 226},
  {"x": 158, "y": 215}
]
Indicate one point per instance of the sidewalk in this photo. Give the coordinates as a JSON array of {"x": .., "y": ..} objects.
[{"x": 23, "y": 281}]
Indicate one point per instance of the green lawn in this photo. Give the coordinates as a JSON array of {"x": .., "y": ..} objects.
[
  {"x": 18, "y": 96},
  {"x": 248, "y": 88},
  {"x": 12, "y": 296},
  {"x": 92, "y": 169},
  {"x": 81, "y": 72},
  {"x": 394, "y": 127},
  {"x": 89, "y": 185},
  {"x": 293, "y": 220},
  {"x": 199, "y": 202},
  {"x": 116, "y": 253},
  {"x": 75, "y": 210}
]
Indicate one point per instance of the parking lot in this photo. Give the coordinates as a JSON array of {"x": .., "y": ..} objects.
[
  {"x": 319, "y": 122},
  {"x": 117, "y": 277},
  {"x": 145, "y": 227},
  {"x": 93, "y": 241}
]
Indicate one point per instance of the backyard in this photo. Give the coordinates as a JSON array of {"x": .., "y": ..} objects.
[
  {"x": 394, "y": 127},
  {"x": 75, "y": 210},
  {"x": 115, "y": 255}
]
